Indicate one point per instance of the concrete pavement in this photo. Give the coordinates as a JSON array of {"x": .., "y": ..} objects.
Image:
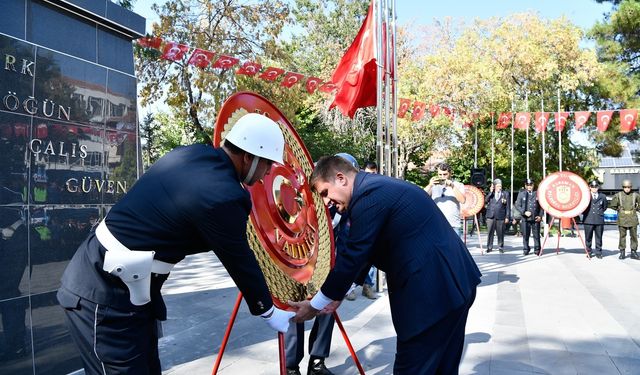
[{"x": 555, "y": 314}]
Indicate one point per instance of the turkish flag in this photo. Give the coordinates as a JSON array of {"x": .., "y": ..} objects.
[
  {"x": 561, "y": 120},
  {"x": 355, "y": 76},
  {"x": 542, "y": 120},
  {"x": 291, "y": 79},
  {"x": 404, "y": 107},
  {"x": 150, "y": 42},
  {"x": 200, "y": 58},
  {"x": 249, "y": 68},
  {"x": 312, "y": 84},
  {"x": 418, "y": 111},
  {"x": 434, "y": 110},
  {"x": 628, "y": 118},
  {"x": 523, "y": 120},
  {"x": 174, "y": 51},
  {"x": 328, "y": 87},
  {"x": 581, "y": 118},
  {"x": 225, "y": 62},
  {"x": 603, "y": 119},
  {"x": 504, "y": 120},
  {"x": 271, "y": 73}
]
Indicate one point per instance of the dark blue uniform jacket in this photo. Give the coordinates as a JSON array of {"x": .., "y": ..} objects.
[{"x": 190, "y": 201}]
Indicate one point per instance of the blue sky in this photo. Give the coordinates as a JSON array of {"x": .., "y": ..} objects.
[{"x": 583, "y": 13}]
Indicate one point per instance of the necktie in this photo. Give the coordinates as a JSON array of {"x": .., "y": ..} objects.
[
  {"x": 595, "y": 196},
  {"x": 498, "y": 196}
]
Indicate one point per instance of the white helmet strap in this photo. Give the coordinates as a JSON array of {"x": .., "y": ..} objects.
[{"x": 252, "y": 169}]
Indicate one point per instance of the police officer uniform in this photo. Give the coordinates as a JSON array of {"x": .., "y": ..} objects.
[
  {"x": 528, "y": 201},
  {"x": 593, "y": 219},
  {"x": 190, "y": 201},
  {"x": 627, "y": 203}
]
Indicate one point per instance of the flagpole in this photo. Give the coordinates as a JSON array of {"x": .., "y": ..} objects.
[
  {"x": 387, "y": 88},
  {"x": 396, "y": 164},
  {"x": 544, "y": 156},
  {"x": 475, "y": 153},
  {"x": 526, "y": 103},
  {"x": 513, "y": 107},
  {"x": 378, "y": 23},
  {"x": 559, "y": 136},
  {"x": 493, "y": 147}
]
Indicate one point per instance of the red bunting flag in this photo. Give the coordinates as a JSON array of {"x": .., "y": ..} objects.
[
  {"x": 328, "y": 87},
  {"x": 603, "y": 119},
  {"x": 200, "y": 58},
  {"x": 312, "y": 84},
  {"x": 271, "y": 73},
  {"x": 561, "y": 120},
  {"x": 542, "y": 120},
  {"x": 628, "y": 118},
  {"x": 150, "y": 42},
  {"x": 504, "y": 120},
  {"x": 174, "y": 51},
  {"x": 434, "y": 110},
  {"x": 225, "y": 62},
  {"x": 418, "y": 111},
  {"x": 291, "y": 79},
  {"x": 581, "y": 118},
  {"x": 356, "y": 74},
  {"x": 523, "y": 120},
  {"x": 404, "y": 107},
  {"x": 249, "y": 68}
]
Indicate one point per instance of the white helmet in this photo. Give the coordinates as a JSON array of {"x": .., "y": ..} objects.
[{"x": 259, "y": 136}]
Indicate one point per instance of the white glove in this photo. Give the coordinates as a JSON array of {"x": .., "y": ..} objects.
[
  {"x": 278, "y": 319},
  {"x": 7, "y": 233}
]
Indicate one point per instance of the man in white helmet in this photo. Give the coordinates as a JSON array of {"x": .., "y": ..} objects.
[{"x": 189, "y": 201}]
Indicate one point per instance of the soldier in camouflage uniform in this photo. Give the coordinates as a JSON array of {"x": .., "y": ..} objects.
[{"x": 627, "y": 203}]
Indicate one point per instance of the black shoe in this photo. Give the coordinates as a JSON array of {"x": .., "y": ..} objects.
[
  {"x": 599, "y": 255},
  {"x": 501, "y": 250},
  {"x": 634, "y": 255},
  {"x": 489, "y": 250},
  {"x": 591, "y": 255},
  {"x": 537, "y": 252},
  {"x": 317, "y": 367},
  {"x": 621, "y": 256},
  {"x": 525, "y": 252},
  {"x": 293, "y": 371}
]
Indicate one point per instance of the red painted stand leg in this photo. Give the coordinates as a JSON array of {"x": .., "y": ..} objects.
[
  {"x": 225, "y": 339},
  {"x": 283, "y": 362},
  {"x": 348, "y": 342},
  {"x": 475, "y": 220},
  {"x": 581, "y": 240},
  {"x": 546, "y": 236}
]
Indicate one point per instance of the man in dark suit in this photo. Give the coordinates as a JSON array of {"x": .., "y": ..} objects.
[
  {"x": 527, "y": 203},
  {"x": 431, "y": 275},
  {"x": 593, "y": 218},
  {"x": 498, "y": 205},
  {"x": 190, "y": 201}
]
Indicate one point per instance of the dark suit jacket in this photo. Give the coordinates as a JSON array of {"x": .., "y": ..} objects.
[
  {"x": 398, "y": 228},
  {"x": 594, "y": 214},
  {"x": 498, "y": 209},
  {"x": 526, "y": 202}
]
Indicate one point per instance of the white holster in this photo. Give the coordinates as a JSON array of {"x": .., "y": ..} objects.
[{"x": 132, "y": 267}]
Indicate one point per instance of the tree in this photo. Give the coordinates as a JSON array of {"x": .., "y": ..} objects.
[{"x": 247, "y": 30}]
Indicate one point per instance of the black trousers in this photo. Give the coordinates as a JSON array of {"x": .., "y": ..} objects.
[
  {"x": 319, "y": 340},
  {"x": 112, "y": 341},
  {"x": 438, "y": 349},
  {"x": 530, "y": 228},
  {"x": 589, "y": 230},
  {"x": 495, "y": 226}
]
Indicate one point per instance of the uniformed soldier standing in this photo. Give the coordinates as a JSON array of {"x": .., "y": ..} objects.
[
  {"x": 189, "y": 201},
  {"x": 527, "y": 203},
  {"x": 593, "y": 218},
  {"x": 627, "y": 203}
]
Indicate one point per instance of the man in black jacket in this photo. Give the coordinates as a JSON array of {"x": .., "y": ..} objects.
[
  {"x": 593, "y": 218},
  {"x": 527, "y": 203},
  {"x": 498, "y": 205}
]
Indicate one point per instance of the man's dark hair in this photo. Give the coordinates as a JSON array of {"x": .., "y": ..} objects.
[
  {"x": 371, "y": 165},
  {"x": 232, "y": 148},
  {"x": 444, "y": 167},
  {"x": 328, "y": 166}
]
